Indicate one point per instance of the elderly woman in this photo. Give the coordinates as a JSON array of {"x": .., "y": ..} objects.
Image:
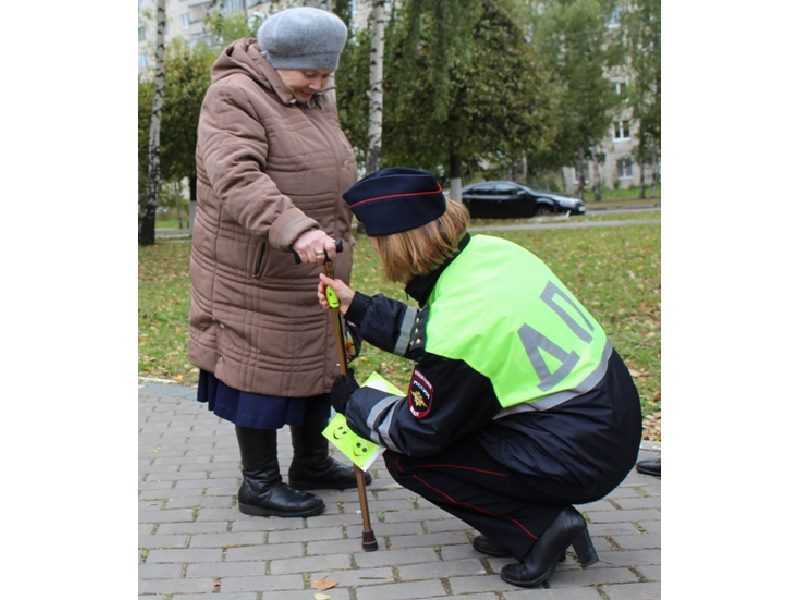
[
  {"x": 518, "y": 406},
  {"x": 272, "y": 164}
]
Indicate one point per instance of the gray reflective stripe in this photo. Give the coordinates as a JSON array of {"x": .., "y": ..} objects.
[
  {"x": 533, "y": 340},
  {"x": 405, "y": 331},
  {"x": 547, "y": 402},
  {"x": 548, "y": 297},
  {"x": 383, "y": 430},
  {"x": 378, "y": 408}
]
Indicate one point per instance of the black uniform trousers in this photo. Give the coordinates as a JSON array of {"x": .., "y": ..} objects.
[{"x": 510, "y": 508}]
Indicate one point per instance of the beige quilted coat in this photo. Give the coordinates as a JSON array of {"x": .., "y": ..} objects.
[{"x": 268, "y": 169}]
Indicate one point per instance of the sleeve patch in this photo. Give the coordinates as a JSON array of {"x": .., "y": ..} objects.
[{"x": 420, "y": 395}]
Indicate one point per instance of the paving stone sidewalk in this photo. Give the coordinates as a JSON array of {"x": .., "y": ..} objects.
[{"x": 195, "y": 545}]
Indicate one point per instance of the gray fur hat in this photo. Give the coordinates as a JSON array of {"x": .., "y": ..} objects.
[{"x": 303, "y": 39}]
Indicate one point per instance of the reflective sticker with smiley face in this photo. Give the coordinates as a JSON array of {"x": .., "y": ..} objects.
[{"x": 360, "y": 451}]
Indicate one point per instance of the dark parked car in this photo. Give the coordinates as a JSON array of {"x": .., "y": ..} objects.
[{"x": 506, "y": 199}]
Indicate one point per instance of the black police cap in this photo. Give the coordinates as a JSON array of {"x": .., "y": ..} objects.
[{"x": 394, "y": 200}]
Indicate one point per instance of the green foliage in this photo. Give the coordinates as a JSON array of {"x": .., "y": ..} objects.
[
  {"x": 462, "y": 85},
  {"x": 641, "y": 25},
  {"x": 571, "y": 37},
  {"x": 342, "y": 9},
  {"x": 187, "y": 74},
  {"x": 352, "y": 83},
  {"x": 145, "y": 107},
  {"x": 228, "y": 28}
]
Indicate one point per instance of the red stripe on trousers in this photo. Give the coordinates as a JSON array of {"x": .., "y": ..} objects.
[
  {"x": 484, "y": 471},
  {"x": 473, "y": 508}
]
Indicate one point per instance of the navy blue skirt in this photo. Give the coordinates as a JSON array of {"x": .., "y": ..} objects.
[{"x": 257, "y": 411}]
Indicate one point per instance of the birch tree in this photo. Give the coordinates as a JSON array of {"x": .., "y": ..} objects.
[
  {"x": 377, "y": 20},
  {"x": 147, "y": 214}
]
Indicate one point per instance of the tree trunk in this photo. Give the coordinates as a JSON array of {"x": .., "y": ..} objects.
[
  {"x": 178, "y": 188},
  {"x": 596, "y": 187},
  {"x": 377, "y": 21},
  {"x": 519, "y": 170},
  {"x": 147, "y": 217},
  {"x": 455, "y": 176},
  {"x": 642, "y": 152},
  {"x": 642, "y": 184},
  {"x": 580, "y": 168},
  {"x": 192, "y": 199}
]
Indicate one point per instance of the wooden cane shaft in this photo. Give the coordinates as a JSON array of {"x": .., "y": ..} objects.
[
  {"x": 341, "y": 353},
  {"x": 362, "y": 498}
]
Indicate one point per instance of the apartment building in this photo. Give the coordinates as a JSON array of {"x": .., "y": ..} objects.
[{"x": 185, "y": 18}]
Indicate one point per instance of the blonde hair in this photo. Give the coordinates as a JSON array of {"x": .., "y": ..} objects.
[{"x": 421, "y": 250}]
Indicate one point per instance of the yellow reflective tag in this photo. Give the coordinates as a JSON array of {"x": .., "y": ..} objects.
[{"x": 330, "y": 295}]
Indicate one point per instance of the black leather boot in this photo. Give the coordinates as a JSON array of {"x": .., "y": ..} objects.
[
  {"x": 649, "y": 467},
  {"x": 484, "y": 545},
  {"x": 312, "y": 467},
  {"x": 263, "y": 492},
  {"x": 567, "y": 528}
]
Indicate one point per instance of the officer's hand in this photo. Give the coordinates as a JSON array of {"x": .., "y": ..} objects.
[
  {"x": 344, "y": 293},
  {"x": 343, "y": 387}
]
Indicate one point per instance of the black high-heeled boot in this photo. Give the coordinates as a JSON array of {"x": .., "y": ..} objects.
[
  {"x": 484, "y": 545},
  {"x": 263, "y": 492},
  {"x": 567, "y": 528},
  {"x": 312, "y": 467}
]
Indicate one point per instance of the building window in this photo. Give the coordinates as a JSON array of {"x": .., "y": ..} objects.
[
  {"x": 621, "y": 131},
  {"x": 625, "y": 168},
  {"x": 231, "y": 6},
  {"x": 620, "y": 87}
]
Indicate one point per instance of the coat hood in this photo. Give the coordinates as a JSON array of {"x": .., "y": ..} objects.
[{"x": 244, "y": 56}]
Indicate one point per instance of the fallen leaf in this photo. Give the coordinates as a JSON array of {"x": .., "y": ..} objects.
[
  {"x": 216, "y": 583},
  {"x": 323, "y": 584},
  {"x": 321, "y": 596},
  {"x": 634, "y": 372}
]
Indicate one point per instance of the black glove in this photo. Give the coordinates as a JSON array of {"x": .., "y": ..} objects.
[{"x": 343, "y": 387}]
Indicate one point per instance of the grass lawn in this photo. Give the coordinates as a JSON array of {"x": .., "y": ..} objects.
[{"x": 614, "y": 271}]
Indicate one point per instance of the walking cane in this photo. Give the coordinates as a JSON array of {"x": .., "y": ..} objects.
[{"x": 368, "y": 541}]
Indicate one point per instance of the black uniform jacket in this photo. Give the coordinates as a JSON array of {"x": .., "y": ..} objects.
[{"x": 582, "y": 441}]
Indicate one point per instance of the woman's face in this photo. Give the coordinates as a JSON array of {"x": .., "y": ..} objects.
[{"x": 304, "y": 84}]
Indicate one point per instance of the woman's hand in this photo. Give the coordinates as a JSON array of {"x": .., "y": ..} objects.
[
  {"x": 344, "y": 293},
  {"x": 313, "y": 245}
]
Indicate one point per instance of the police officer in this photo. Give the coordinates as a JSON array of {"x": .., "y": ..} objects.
[{"x": 518, "y": 406}]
